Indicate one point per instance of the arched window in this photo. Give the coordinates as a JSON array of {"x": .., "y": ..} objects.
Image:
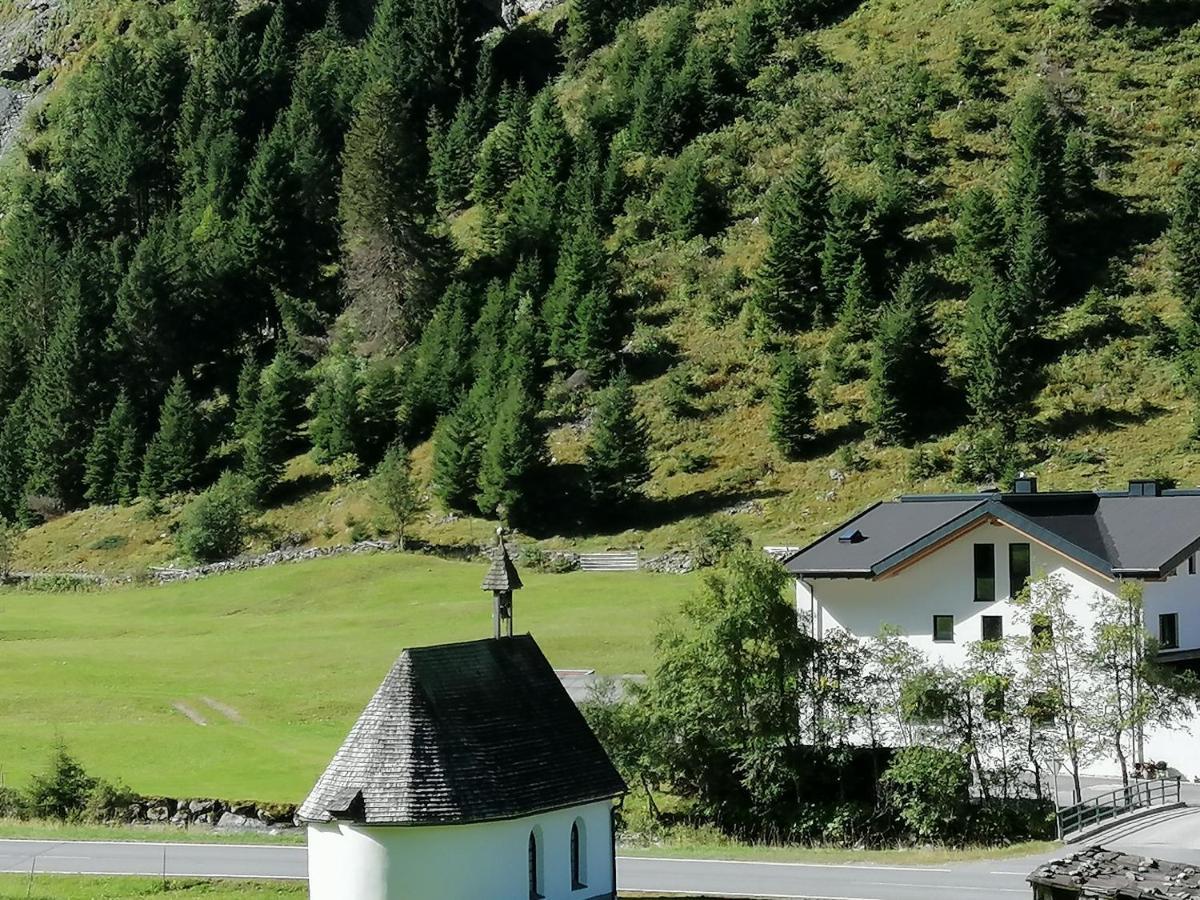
[
  {"x": 578, "y": 855},
  {"x": 535, "y": 881}
]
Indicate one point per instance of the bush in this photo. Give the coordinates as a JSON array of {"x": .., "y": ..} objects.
[
  {"x": 928, "y": 789},
  {"x": 13, "y": 804},
  {"x": 62, "y": 791},
  {"x": 108, "y": 802},
  {"x": 715, "y": 539},
  {"x": 216, "y": 524}
]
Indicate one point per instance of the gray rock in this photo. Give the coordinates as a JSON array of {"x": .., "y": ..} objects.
[
  {"x": 199, "y": 807},
  {"x": 233, "y": 822},
  {"x": 158, "y": 813}
]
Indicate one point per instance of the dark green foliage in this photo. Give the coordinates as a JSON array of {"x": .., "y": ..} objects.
[
  {"x": 265, "y": 444},
  {"x": 1032, "y": 267},
  {"x": 458, "y": 454},
  {"x": 792, "y": 407},
  {"x": 61, "y": 791},
  {"x": 998, "y": 367},
  {"x": 689, "y": 201},
  {"x": 513, "y": 456},
  {"x": 789, "y": 291},
  {"x": 1035, "y": 168},
  {"x": 111, "y": 474},
  {"x": 1185, "y": 246},
  {"x": 582, "y": 270},
  {"x": 974, "y": 72},
  {"x": 979, "y": 237},
  {"x": 216, "y": 524},
  {"x": 843, "y": 245},
  {"x": 249, "y": 387},
  {"x": 13, "y": 471},
  {"x": 617, "y": 461},
  {"x": 753, "y": 40},
  {"x": 335, "y": 422},
  {"x": 174, "y": 452},
  {"x": 904, "y": 376},
  {"x": 929, "y": 789},
  {"x": 596, "y": 332}
]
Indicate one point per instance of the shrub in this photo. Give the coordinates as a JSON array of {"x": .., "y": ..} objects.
[
  {"x": 344, "y": 469},
  {"x": 13, "y": 804},
  {"x": 715, "y": 539},
  {"x": 928, "y": 789},
  {"x": 216, "y": 524},
  {"x": 62, "y": 791},
  {"x": 108, "y": 802}
]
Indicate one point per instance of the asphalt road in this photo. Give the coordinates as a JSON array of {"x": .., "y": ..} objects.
[{"x": 1172, "y": 835}]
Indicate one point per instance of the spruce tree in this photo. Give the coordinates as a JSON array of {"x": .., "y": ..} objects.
[
  {"x": 513, "y": 457},
  {"x": 998, "y": 370},
  {"x": 689, "y": 202},
  {"x": 596, "y": 333},
  {"x": 1185, "y": 247},
  {"x": 1035, "y": 166},
  {"x": 249, "y": 387},
  {"x": 14, "y": 473},
  {"x": 398, "y": 490},
  {"x": 583, "y": 267},
  {"x": 752, "y": 41},
  {"x": 264, "y": 449},
  {"x": 458, "y": 453},
  {"x": 98, "y": 467},
  {"x": 1032, "y": 267},
  {"x": 856, "y": 316},
  {"x": 979, "y": 238},
  {"x": 903, "y": 374},
  {"x": 842, "y": 244},
  {"x": 533, "y": 203},
  {"x": 122, "y": 429},
  {"x": 792, "y": 407},
  {"x": 173, "y": 454},
  {"x": 334, "y": 428},
  {"x": 618, "y": 454},
  {"x": 788, "y": 291},
  {"x": 588, "y": 25}
]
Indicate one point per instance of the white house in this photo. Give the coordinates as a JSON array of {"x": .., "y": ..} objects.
[
  {"x": 471, "y": 775},
  {"x": 943, "y": 570}
]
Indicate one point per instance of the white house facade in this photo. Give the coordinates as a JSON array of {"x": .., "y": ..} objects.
[
  {"x": 943, "y": 571},
  {"x": 471, "y": 775}
]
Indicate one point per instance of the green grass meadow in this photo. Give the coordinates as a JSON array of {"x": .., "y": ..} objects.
[{"x": 276, "y": 663}]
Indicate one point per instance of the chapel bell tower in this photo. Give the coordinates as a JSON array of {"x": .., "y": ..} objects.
[{"x": 502, "y": 579}]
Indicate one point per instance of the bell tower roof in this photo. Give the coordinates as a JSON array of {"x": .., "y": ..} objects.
[{"x": 502, "y": 576}]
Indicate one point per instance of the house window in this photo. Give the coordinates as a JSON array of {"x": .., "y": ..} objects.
[
  {"x": 1040, "y": 709},
  {"x": 1041, "y": 632},
  {"x": 1192, "y": 564},
  {"x": 535, "y": 873},
  {"x": 1018, "y": 568},
  {"x": 577, "y": 856},
  {"x": 943, "y": 629},
  {"x": 993, "y": 703},
  {"x": 985, "y": 573},
  {"x": 1168, "y": 631},
  {"x": 993, "y": 628}
]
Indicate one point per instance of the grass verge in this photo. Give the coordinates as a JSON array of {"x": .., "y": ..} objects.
[{"x": 63, "y": 831}]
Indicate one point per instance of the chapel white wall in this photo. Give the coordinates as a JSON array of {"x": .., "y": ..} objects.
[{"x": 486, "y": 861}]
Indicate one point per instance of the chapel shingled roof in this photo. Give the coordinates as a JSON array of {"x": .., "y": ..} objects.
[
  {"x": 502, "y": 576},
  {"x": 459, "y": 733},
  {"x": 1096, "y": 872}
]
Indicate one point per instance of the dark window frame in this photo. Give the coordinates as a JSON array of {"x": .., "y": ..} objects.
[
  {"x": 943, "y": 640},
  {"x": 1015, "y": 584},
  {"x": 534, "y": 850},
  {"x": 1192, "y": 564},
  {"x": 577, "y": 881},
  {"x": 998, "y": 621},
  {"x": 1041, "y": 632},
  {"x": 984, "y": 572},
  {"x": 1173, "y": 643}
]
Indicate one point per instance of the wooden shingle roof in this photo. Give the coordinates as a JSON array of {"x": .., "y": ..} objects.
[
  {"x": 459, "y": 733},
  {"x": 1099, "y": 873},
  {"x": 502, "y": 576}
]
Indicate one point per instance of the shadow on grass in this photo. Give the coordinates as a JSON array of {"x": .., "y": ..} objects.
[{"x": 1071, "y": 422}]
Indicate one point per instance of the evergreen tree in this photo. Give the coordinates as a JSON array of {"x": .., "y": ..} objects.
[
  {"x": 334, "y": 428},
  {"x": 979, "y": 238},
  {"x": 110, "y": 473},
  {"x": 458, "y": 454},
  {"x": 857, "y": 313},
  {"x": 596, "y": 333},
  {"x": 60, "y": 411},
  {"x": 997, "y": 373},
  {"x": 792, "y": 408},
  {"x": 1035, "y": 167},
  {"x": 249, "y": 387},
  {"x": 397, "y": 489},
  {"x": 1185, "y": 247},
  {"x": 274, "y": 65},
  {"x": 689, "y": 201},
  {"x": 842, "y": 245},
  {"x": 583, "y": 267},
  {"x": 14, "y": 473},
  {"x": 498, "y": 163},
  {"x": 588, "y": 25},
  {"x": 903, "y": 373},
  {"x": 1032, "y": 267},
  {"x": 753, "y": 40},
  {"x": 618, "y": 454},
  {"x": 973, "y": 70},
  {"x": 173, "y": 453},
  {"x": 788, "y": 292},
  {"x": 379, "y": 402},
  {"x": 513, "y": 457},
  {"x": 264, "y": 449},
  {"x": 291, "y": 382},
  {"x": 533, "y": 202}
]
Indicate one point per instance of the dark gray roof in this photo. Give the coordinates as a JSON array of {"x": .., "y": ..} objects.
[
  {"x": 469, "y": 732},
  {"x": 1096, "y": 872},
  {"x": 1115, "y": 534},
  {"x": 502, "y": 576}
]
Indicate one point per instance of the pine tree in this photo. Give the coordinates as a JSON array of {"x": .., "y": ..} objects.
[
  {"x": 618, "y": 454},
  {"x": 842, "y": 245},
  {"x": 903, "y": 373},
  {"x": 249, "y": 387},
  {"x": 533, "y": 202},
  {"x": 14, "y": 473},
  {"x": 397, "y": 489},
  {"x": 752, "y": 41},
  {"x": 689, "y": 201},
  {"x": 973, "y": 70},
  {"x": 98, "y": 467},
  {"x": 997, "y": 371},
  {"x": 513, "y": 457},
  {"x": 334, "y": 428},
  {"x": 792, "y": 407},
  {"x": 458, "y": 454},
  {"x": 583, "y": 267},
  {"x": 291, "y": 382},
  {"x": 1035, "y": 167},
  {"x": 856, "y": 316},
  {"x": 379, "y": 403},
  {"x": 122, "y": 429},
  {"x": 588, "y": 25},
  {"x": 979, "y": 238},
  {"x": 788, "y": 292},
  {"x": 273, "y": 66},
  {"x": 596, "y": 332},
  {"x": 1032, "y": 267},
  {"x": 497, "y": 164},
  {"x": 1185, "y": 247},
  {"x": 264, "y": 449},
  {"x": 60, "y": 412},
  {"x": 172, "y": 456}
]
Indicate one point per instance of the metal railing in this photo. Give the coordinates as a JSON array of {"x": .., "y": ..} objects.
[{"x": 1139, "y": 794}]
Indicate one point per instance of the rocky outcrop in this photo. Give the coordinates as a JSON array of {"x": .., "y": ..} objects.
[
  {"x": 220, "y": 815},
  {"x": 28, "y": 59}
]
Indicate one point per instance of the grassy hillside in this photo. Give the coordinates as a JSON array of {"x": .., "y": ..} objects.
[
  {"x": 244, "y": 685},
  {"x": 1109, "y": 403}
]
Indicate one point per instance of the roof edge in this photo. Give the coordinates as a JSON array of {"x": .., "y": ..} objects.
[{"x": 449, "y": 823}]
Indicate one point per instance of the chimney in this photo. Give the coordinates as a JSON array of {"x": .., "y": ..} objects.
[
  {"x": 502, "y": 579},
  {"x": 1144, "y": 487},
  {"x": 1025, "y": 484}
]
